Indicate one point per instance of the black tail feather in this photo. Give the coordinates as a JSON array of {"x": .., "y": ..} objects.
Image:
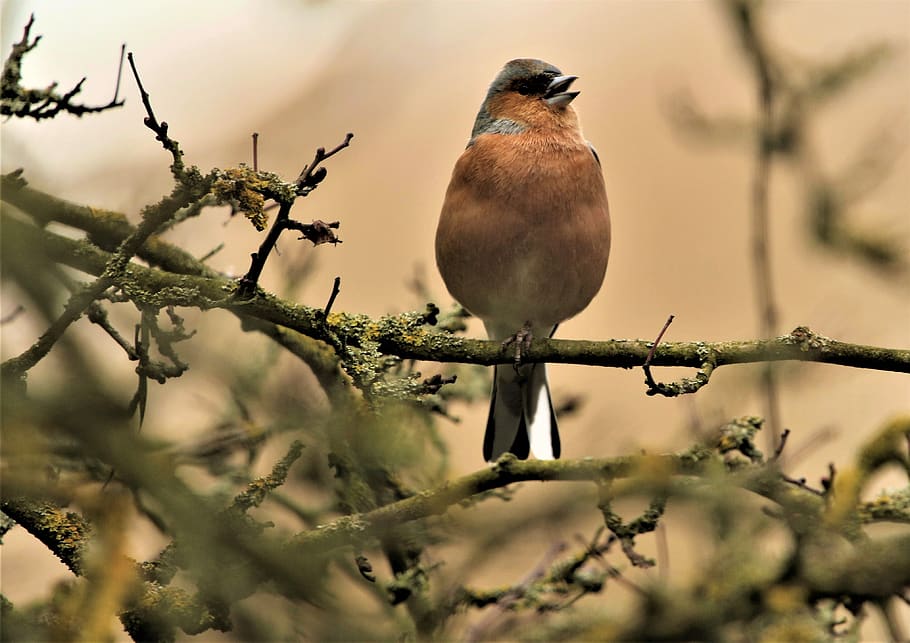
[{"x": 521, "y": 445}]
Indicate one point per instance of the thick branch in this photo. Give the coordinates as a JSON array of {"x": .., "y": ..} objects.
[
  {"x": 506, "y": 471},
  {"x": 405, "y": 336},
  {"x": 106, "y": 229},
  {"x": 66, "y": 534}
]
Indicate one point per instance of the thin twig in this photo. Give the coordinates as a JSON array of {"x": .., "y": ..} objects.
[
  {"x": 250, "y": 280},
  {"x": 801, "y": 483},
  {"x": 78, "y": 302},
  {"x": 159, "y": 128},
  {"x": 151, "y": 121},
  {"x": 98, "y": 315},
  {"x": 485, "y": 626},
  {"x": 336, "y": 288},
  {"x": 647, "y": 365},
  {"x": 828, "y": 481},
  {"x": 16, "y": 100},
  {"x": 309, "y": 173},
  {"x": 211, "y": 253},
  {"x": 255, "y": 151},
  {"x": 687, "y": 384},
  {"x": 781, "y": 444},
  {"x": 765, "y": 149},
  {"x": 317, "y": 232},
  {"x": 116, "y": 263},
  {"x": 119, "y": 73}
]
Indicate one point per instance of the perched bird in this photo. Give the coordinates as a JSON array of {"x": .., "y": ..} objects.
[{"x": 523, "y": 238}]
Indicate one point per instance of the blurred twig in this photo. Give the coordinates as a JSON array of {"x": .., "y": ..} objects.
[
  {"x": 18, "y": 101},
  {"x": 230, "y": 551},
  {"x": 746, "y": 18},
  {"x": 789, "y": 92}
]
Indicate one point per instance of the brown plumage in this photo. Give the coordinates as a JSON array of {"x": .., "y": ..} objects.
[{"x": 524, "y": 236}]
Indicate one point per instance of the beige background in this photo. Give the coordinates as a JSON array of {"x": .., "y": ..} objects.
[{"x": 407, "y": 79}]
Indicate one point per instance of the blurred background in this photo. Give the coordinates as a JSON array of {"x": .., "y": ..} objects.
[{"x": 407, "y": 79}]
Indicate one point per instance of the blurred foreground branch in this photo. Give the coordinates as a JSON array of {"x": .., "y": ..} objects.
[
  {"x": 832, "y": 558},
  {"x": 367, "y": 464}
]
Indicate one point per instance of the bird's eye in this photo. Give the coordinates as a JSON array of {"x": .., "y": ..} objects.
[
  {"x": 525, "y": 88},
  {"x": 535, "y": 85}
]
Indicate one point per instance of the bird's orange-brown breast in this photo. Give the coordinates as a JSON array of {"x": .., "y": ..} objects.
[
  {"x": 532, "y": 112},
  {"x": 524, "y": 233}
]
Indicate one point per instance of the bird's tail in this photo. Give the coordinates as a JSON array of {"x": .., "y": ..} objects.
[{"x": 521, "y": 418}]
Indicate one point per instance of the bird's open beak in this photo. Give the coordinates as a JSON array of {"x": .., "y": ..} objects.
[{"x": 556, "y": 96}]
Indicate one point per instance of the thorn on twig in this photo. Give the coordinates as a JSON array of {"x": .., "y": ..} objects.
[
  {"x": 687, "y": 384},
  {"x": 649, "y": 380},
  {"x": 828, "y": 481},
  {"x": 781, "y": 444},
  {"x": 336, "y": 288},
  {"x": 141, "y": 343},
  {"x": 119, "y": 73}
]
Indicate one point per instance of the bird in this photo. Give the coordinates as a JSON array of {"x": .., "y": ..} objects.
[{"x": 523, "y": 239}]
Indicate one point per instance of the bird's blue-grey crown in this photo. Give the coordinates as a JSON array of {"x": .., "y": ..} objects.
[{"x": 528, "y": 77}]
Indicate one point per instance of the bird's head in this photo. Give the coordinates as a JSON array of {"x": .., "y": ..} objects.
[{"x": 527, "y": 93}]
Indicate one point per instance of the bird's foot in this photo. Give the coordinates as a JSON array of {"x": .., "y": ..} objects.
[{"x": 522, "y": 341}]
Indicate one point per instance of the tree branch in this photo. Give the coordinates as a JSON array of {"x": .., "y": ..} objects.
[
  {"x": 16, "y": 100},
  {"x": 406, "y": 336},
  {"x": 317, "y": 232}
]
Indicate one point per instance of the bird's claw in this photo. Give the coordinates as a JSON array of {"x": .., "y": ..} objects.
[{"x": 522, "y": 341}]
